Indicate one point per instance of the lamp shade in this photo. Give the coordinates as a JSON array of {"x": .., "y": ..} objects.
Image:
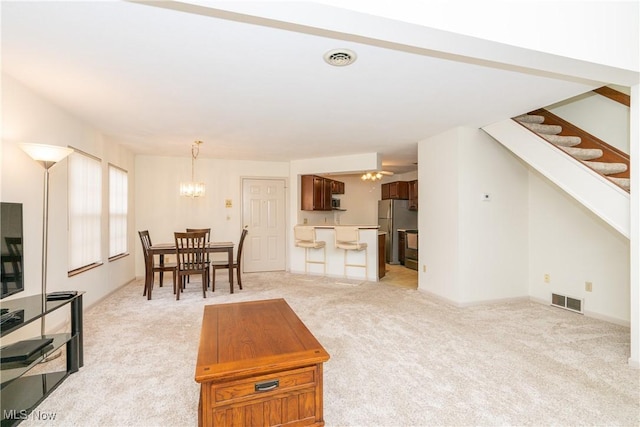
[{"x": 48, "y": 154}]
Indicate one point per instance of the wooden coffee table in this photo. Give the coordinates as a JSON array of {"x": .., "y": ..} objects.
[{"x": 258, "y": 364}]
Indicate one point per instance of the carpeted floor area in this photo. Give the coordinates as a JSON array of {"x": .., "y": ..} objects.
[{"x": 398, "y": 358}]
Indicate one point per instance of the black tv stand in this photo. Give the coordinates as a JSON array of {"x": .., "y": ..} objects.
[{"x": 21, "y": 392}]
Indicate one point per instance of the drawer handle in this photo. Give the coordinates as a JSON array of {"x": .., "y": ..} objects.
[{"x": 267, "y": 385}]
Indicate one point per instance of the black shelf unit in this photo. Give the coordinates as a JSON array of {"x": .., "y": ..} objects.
[{"x": 20, "y": 391}]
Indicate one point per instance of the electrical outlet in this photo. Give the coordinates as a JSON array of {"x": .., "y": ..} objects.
[
  {"x": 547, "y": 278},
  {"x": 588, "y": 286},
  {"x": 424, "y": 268},
  {"x": 304, "y": 221}
]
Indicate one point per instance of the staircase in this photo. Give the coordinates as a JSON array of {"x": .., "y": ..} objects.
[
  {"x": 592, "y": 152},
  {"x": 577, "y": 177}
]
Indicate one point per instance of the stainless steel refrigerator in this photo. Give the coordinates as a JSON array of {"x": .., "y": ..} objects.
[{"x": 394, "y": 215}]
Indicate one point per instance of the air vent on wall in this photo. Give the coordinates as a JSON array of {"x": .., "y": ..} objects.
[{"x": 566, "y": 302}]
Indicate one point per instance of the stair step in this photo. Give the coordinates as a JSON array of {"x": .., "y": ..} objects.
[
  {"x": 563, "y": 141},
  {"x": 542, "y": 128},
  {"x": 607, "y": 168},
  {"x": 622, "y": 182},
  {"x": 529, "y": 118},
  {"x": 583, "y": 153}
]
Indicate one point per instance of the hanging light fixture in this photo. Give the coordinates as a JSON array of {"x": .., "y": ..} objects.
[
  {"x": 371, "y": 176},
  {"x": 193, "y": 188}
]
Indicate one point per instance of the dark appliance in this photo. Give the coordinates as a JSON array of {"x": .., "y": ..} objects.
[
  {"x": 411, "y": 251},
  {"x": 393, "y": 215}
]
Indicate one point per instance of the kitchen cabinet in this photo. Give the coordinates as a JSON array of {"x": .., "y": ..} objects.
[
  {"x": 413, "y": 195},
  {"x": 395, "y": 190},
  {"x": 337, "y": 187},
  {"x": 315, "y": 193},
  {"x": 382, "y": 265}
]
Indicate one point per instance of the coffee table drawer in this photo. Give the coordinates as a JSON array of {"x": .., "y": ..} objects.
[{"x": 264, "y": 385}]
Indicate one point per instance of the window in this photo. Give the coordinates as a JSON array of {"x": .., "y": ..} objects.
[
  {"x": 118, "y": 186},
  {"x": 85, "y": 207}
]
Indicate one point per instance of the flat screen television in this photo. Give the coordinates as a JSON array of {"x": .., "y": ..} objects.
[{"x": 12, "y": 252}]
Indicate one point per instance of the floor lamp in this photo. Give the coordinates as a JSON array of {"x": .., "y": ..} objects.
[{"x": 47, "y": 156}]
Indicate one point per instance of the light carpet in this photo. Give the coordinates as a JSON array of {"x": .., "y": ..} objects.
[{"x": 399, "y": 357}]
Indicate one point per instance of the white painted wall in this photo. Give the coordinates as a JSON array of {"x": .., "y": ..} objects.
[
  {"x": 28, "y": 117},
  {"x": 438, "y": 225},
  {"x": 573, "y": 245},
  {"x": 161, "y": 210},
  {"x": 493, "y": 233},
  {"x": 473, "y": 250},
  {"x": 598, "y": 115}
]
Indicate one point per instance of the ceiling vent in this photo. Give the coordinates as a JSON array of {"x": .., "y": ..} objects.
[{"x": 340, "y": 57}]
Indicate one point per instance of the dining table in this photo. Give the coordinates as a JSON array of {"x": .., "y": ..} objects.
[{"x": 163, "y": 249}]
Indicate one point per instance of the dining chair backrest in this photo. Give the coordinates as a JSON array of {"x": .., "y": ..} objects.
[
  {"x": 202, "y": 230},
  {"x": 146, "y": 244},
  {"x": 191, "y": 250},
  {"x": 241, "y": 245}
]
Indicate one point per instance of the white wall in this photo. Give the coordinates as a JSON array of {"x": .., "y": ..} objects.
[
  {"x": 438, "y": 225},
  {"x": 30, "y": 118},
  {"x": 161, "y": 210},
  {"x": 473, "y": 250},
  {"x": 493, "y": 233},
  {"x": 598, "y": 115},
  {"x": 572, "y": 245}
]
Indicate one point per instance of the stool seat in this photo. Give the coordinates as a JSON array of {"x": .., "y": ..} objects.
[
  {"x": 351, "y": 246},
  {"x": 311, "y": 245}
]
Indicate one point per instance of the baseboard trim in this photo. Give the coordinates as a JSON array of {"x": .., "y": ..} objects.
[{"x": 591, "y": 314}]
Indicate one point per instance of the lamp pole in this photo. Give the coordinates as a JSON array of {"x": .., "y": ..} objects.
[{"x": 47, "y": 156}]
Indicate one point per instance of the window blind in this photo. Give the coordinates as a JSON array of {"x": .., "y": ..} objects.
[
  {"x": 118, "y": 211},
  {"x": 85, "y": 208}
]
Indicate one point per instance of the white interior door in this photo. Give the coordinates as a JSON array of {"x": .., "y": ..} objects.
[{"x": 263, "y": 211}]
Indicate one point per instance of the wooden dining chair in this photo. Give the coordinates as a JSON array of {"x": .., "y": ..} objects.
[
  {"x": 151, "y": 268},
  {"x": 237, "y": 264},
  {"x": 192, "y": 259},
  {"x": 200, "y": 230}
]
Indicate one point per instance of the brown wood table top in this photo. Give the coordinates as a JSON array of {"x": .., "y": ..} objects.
[{"x": 246, "y": 338}]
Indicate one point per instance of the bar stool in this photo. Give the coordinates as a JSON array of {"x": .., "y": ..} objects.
[
  {"x": 348, "y": 238},
  {"x": 306, "y": 238}
]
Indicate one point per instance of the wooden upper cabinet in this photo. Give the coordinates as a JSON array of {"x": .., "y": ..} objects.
[
  {"x": 315, "y": 193},
  {"x": 395, "y": 190},
  {"x": 413, "y": 195},
  {"x": 385, "y": 191},
  {"x": 337, "y": 187}
]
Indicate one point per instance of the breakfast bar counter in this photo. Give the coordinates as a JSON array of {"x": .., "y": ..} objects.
[{"x": 335, "y": 261}]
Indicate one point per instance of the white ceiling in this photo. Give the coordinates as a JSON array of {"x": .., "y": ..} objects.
[{"x": 155, "y": 79}]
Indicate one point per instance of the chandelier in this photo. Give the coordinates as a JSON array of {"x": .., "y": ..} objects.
[
  {"x": 371, "y": 176},
  {"x": 193, "y": 188}
]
